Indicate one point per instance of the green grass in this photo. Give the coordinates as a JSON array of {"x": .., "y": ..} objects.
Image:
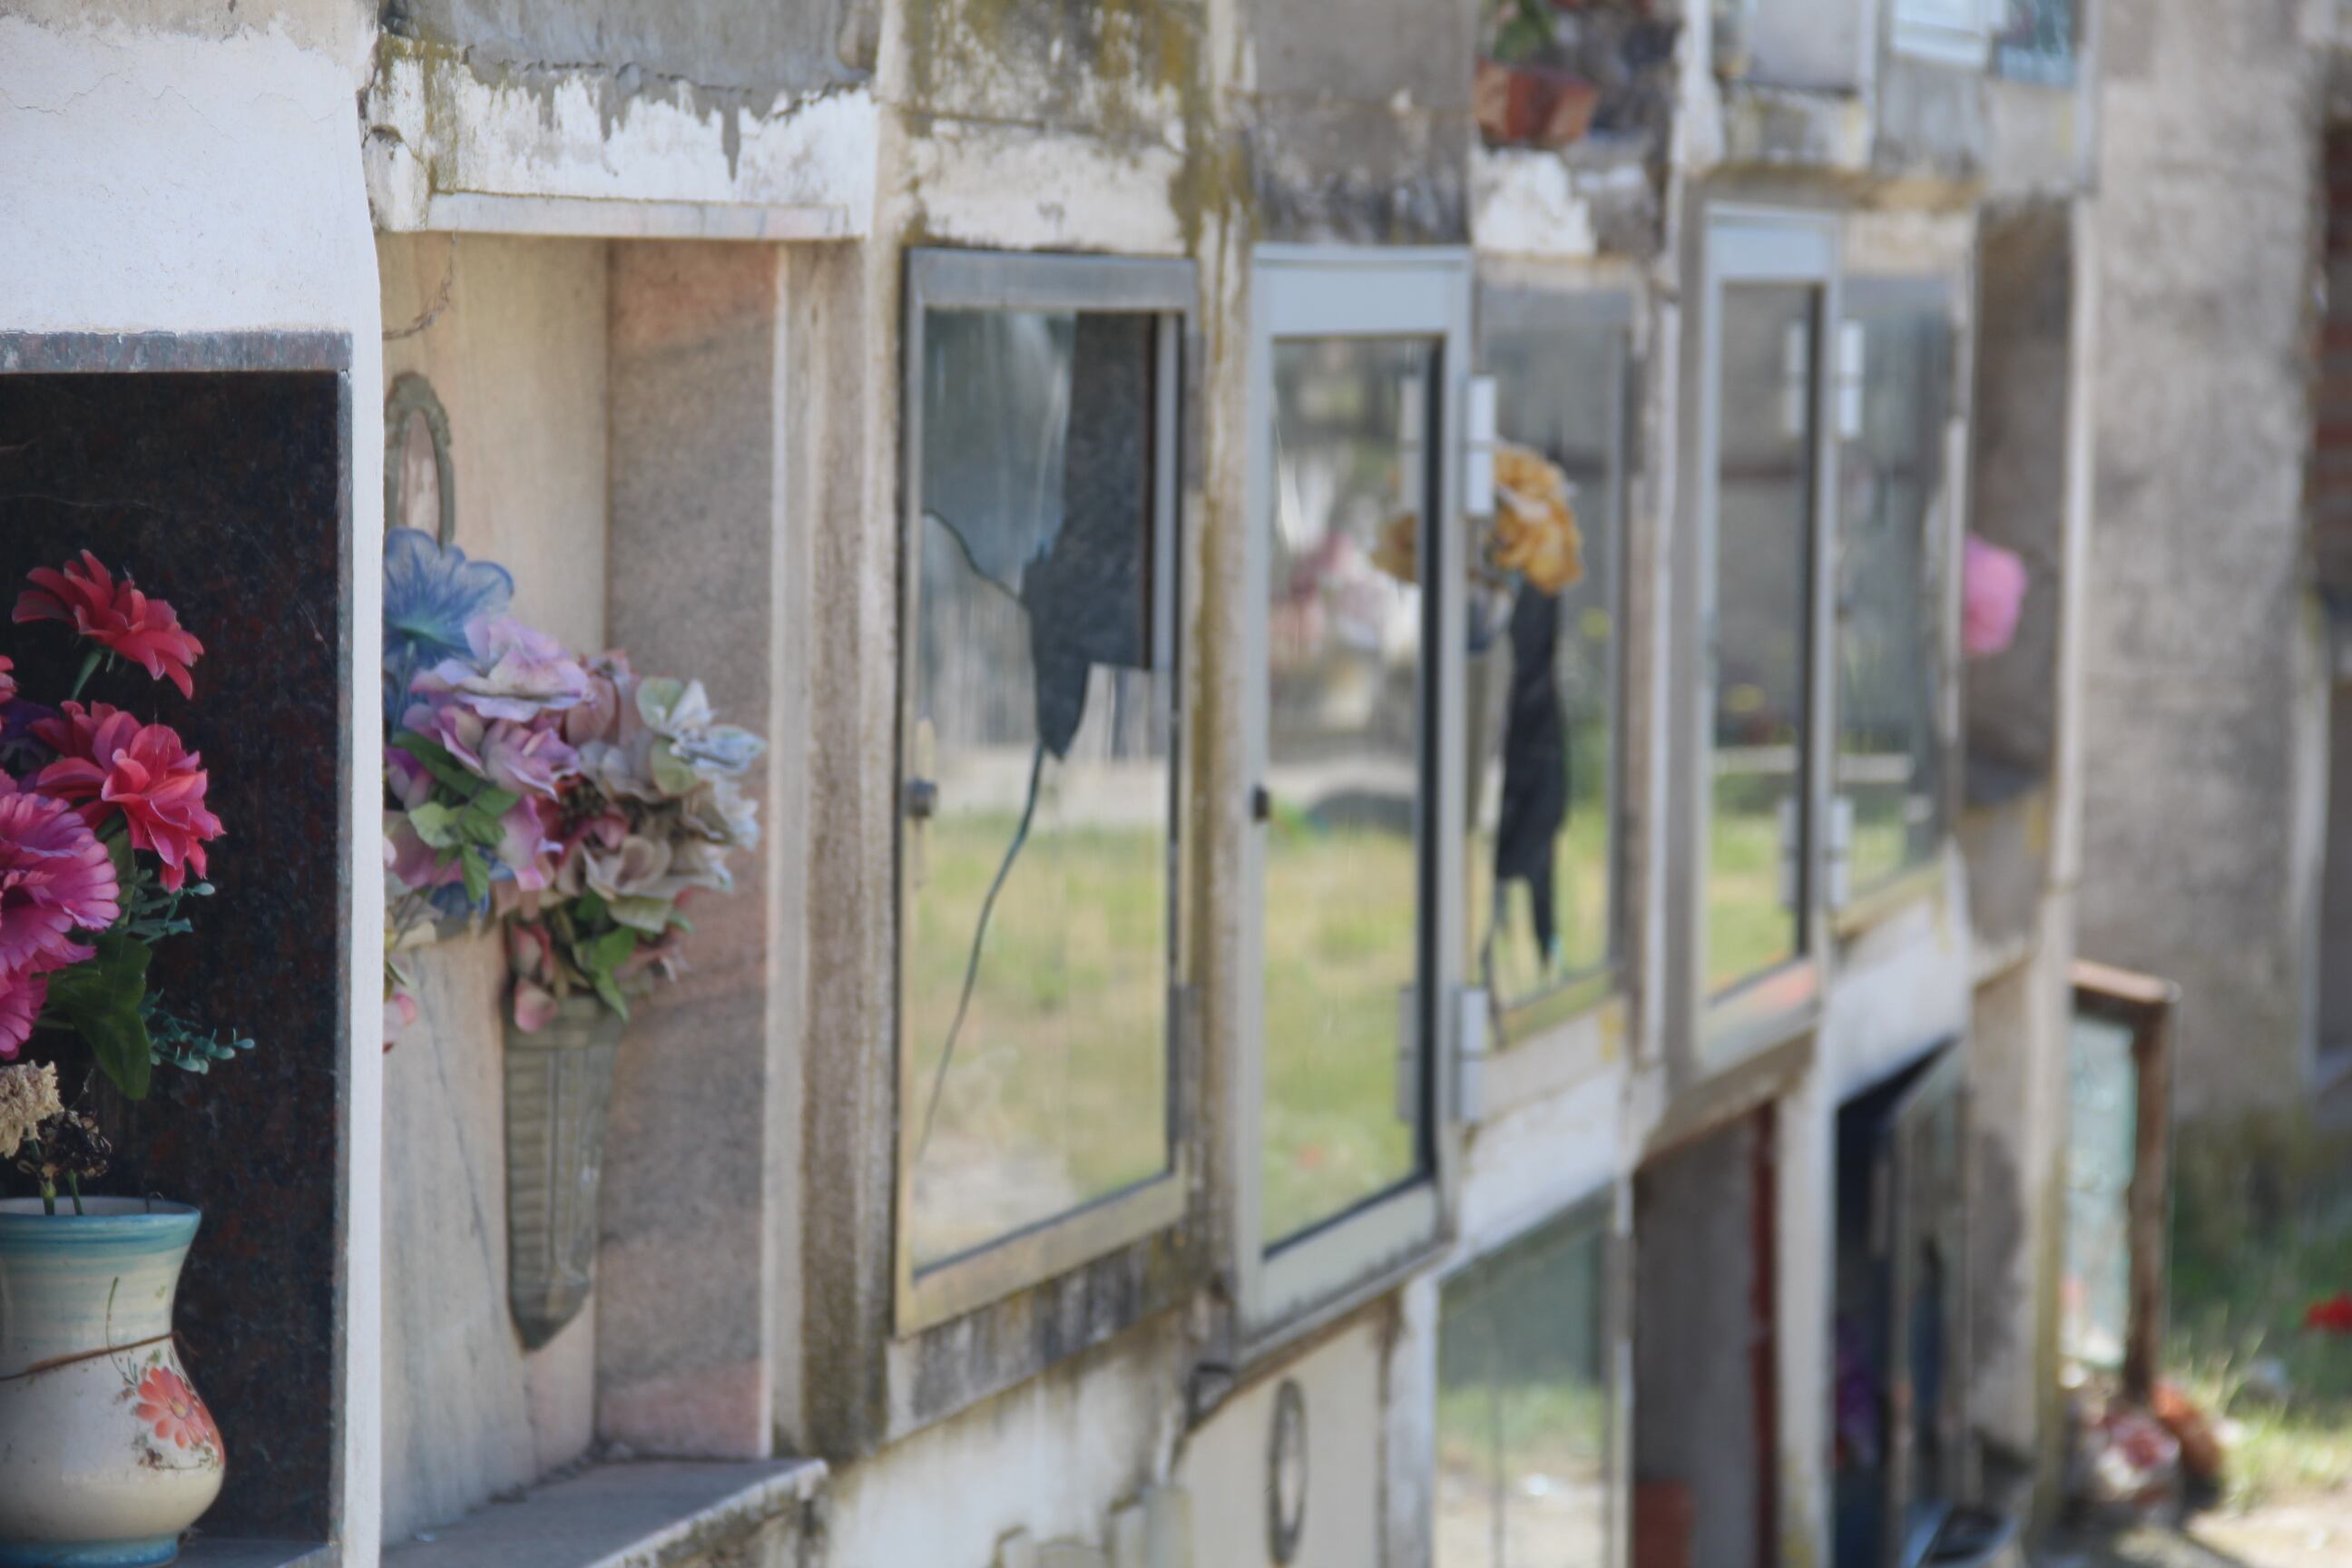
[
  {"x": 1058, "y": 1093},
  {"x": 1749, "y": 928},
  {"x": 2238, "y": 1301}
]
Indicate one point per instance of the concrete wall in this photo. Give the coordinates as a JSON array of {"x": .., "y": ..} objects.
[
  {"x": 760, "y": 49},
  {"x": 514, "y": 344},
  {"x": 2203, "y": 702}
]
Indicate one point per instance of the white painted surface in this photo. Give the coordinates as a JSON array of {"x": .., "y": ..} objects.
[
  {"x": 167, "y": 182},
  {"x": 1022, "y": 188},
  {"x": 438, "y": 129},
  {"x": 1225, "y": 1462}
]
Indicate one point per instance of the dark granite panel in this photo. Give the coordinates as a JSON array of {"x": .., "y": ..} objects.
[{"x": 227, "y": 495}]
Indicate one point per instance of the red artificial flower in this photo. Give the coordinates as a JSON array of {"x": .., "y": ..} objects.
[
  {"x": 109, "y": 762},
  {"x": 54, "y": 876},
  {"x": 2333, "y": 1316},
  {"x": 118, "y": 616}
]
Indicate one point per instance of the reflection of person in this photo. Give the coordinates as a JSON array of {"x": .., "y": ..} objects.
[{"x": 1535, "y": 762}]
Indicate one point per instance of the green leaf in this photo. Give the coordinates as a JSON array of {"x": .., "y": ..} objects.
[
  {"x": 493, "y": 802},
  {"x": 100, "y": 1000},
  {"x": 437, "y": 825},
  {"x": 118, "y": 849},
  {"x": 611, "y": 950},
  {"x": 476, "y": 872},
  {"x": 610, "y": 990},
  {"x": 439, "y": 761}
]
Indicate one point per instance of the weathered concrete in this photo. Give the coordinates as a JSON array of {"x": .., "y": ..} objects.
[
  {"x": 649, "y": 1514},
  {"x": 2202, "y": 702}
]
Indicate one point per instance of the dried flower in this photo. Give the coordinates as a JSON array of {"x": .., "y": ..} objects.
[
  {"x": 110, "y": 763},
  {"x": 117, "y": 616},
  {"x": 72, "y": 1150},
  {"x": 28, "y": 1096},
  {"x": 1535, "y": 532}
]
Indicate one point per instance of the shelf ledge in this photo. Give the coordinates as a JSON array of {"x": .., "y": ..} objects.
[{"x": 636, "y": 1514}]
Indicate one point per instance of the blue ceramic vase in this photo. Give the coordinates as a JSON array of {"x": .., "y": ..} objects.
[{"x": 106, "y": 1452}]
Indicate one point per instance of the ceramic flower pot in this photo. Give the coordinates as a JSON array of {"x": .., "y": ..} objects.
[
  {"x": 559, "y": 1098},
  {"x": 106, "y": 1452}
]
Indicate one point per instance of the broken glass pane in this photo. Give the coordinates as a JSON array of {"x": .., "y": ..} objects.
[{"x": 1036, "y": 929}]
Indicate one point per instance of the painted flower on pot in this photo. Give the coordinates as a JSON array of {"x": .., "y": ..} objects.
[
  {"x": 117, "y": 616},
  {"x": 174, "y": 1413}
]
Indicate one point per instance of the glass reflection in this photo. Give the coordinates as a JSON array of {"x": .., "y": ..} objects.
[
  {"x": 1891, "y": 555},
  {"x": 1523, "y": 1406},
  {"x": 1542, "y": 672},
  {"x": 1036, "y": 937},
  {"x": 2094, "y": 1302},
  {"x": 1345, "y": 634},
  {"x": 1764, "y": 500}
]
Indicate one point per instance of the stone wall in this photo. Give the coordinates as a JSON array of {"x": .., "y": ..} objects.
[{"x": 2202, "y": 707}]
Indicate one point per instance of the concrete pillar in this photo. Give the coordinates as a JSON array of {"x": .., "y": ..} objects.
[{"x": 698, "y": 575}]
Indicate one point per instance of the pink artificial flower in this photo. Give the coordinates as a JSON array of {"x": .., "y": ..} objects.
[
  {"x": 528, "y": 844},
  {"x": 457, "y": 730},
  {"x": 1992, "y": 592},
  {"x": 21, "y": 998},
  {"x": 400, "y": 1014},
  {"x": 410, "y": 861},
  {"x": 7, "y": 681},
  {"x": 515, "y": 673},
  {"x": 410, "y": 782},
  {"x": 55, "y": 876},
  {"x": 117, "y": 616},
  {"x": 110, "y": 763},
  {"x": 527, "y": 759},
  {"x": 610, "y": 706}
]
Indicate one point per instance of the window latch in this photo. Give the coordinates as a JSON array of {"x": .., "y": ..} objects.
[
  {"x": 922, "y": 799},
  {"x": 1261, "y": 803}
]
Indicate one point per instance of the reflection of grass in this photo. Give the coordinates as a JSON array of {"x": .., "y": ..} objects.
[
  {"x": 1340, "y": 932},
  {"x": 1749, "y": 928},
  {"x": 1580, "y": 904},
  {"x": 1558, "y": 1429},
  {"x": 1058, "y": 1090}
]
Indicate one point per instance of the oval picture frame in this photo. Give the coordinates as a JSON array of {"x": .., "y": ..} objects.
[{"x": 415, "y": 430}]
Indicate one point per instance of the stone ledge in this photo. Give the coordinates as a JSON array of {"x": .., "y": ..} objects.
[{"x": 638, "y": 1514}]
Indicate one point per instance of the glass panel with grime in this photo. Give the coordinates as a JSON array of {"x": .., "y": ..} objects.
[
  {"x": 1892, "y": 552},
  {"x": 1755, "y": 849},
  {"x": 1542, "y": 710},
  {"x": 1036, "y": 935},
  {"x": 1523, "y": 1404},
  {"x": 1347, "y": 635}
]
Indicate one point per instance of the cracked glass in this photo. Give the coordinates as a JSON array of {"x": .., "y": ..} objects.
[{"x": 1038, "y": 851}]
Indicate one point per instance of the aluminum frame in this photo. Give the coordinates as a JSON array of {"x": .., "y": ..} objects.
[
  {"x": 1337, "y": 291},
  {"x": 987, "y": 281}
]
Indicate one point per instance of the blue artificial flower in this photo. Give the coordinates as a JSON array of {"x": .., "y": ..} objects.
[{"x": 430, "y": 594}]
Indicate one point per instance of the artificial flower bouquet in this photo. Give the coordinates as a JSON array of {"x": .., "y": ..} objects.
[
  {"x": 575, "y": 801},
  {"x": 103, "y": 828}
]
